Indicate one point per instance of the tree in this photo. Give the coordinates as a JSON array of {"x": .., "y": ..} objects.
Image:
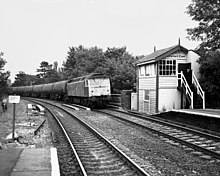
[
  {"x": 207, "y": 14},
  {"x": 2, "y": 61},
  {"x": 51, "y": 76},
  {"x": 47, "y": 73},
  {"x": 23, "y": 79},
  {"x": 4, "y": 76},
  {"x": 210, "y": 78},
  {"x": 81, "y": 61},
  {"x": 119, "y": 67},
  {"x": 115, "y": 52},
  {"x": 44, "y": 67},
  {"x": 115, "y": 63},
  {"x": 55, "y": 66}
]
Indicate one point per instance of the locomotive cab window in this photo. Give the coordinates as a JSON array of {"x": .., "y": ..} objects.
[
  {"x": 93, "y": 82},
  {"x": 100, "y": 81}
]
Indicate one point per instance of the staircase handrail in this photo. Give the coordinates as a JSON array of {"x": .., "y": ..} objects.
[
  {"x": 186, "y": 85},
  {"x": 199, "y": 89}
]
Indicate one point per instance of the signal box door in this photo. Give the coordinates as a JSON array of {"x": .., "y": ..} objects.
[{"x": 187, "y": 71}]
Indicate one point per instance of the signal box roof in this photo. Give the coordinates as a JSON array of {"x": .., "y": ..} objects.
[{"x": 160, "y": 54}]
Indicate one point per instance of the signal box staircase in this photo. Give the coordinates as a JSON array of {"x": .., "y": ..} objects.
[{"x": 195, "y": 96}]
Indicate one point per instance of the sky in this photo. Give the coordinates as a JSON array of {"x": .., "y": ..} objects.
[{"x": 32, "y": 31}]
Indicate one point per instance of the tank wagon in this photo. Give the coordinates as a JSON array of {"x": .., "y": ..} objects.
[{"x": 91, "y": 90}]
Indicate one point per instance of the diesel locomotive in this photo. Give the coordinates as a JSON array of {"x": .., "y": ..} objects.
[{"x": 90, "y": 90}]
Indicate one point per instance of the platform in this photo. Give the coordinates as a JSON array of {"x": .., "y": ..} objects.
[
  {"x": 205, "y": 119},
  {"x": 29, "y": 162},
  {"x": 202, "y": 112}
]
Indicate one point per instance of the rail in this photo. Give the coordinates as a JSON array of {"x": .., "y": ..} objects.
[
  {"x": 137, "y": 169},
  {"x": 183, "y": 135},
  {"x": 184, "y": 83},
  {"x": 199, "y": 89}
]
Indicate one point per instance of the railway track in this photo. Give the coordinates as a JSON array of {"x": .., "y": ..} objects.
[
  {"x": 95, "y": 155},
  {"x": 200, "y": 143}
]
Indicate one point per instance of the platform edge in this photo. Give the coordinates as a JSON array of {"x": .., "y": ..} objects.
[{"x": 55, "y": 169}]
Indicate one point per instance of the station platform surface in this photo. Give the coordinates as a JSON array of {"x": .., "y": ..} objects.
[
  {"x": 203, "y": 112},
  {"x": 29, "y": 162}
]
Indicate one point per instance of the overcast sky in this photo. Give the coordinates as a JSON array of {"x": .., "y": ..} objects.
[{"x": 32, "y": 31}]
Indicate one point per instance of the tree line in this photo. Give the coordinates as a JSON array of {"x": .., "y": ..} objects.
[{"x": 117, "y": 63}]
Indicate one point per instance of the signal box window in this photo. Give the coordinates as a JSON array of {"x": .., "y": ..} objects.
[
  {"x": 167, "y": 67},
  {"x": 146, "y": 95},
  {"x": 142, "y": 70},
  {"x": 150, "y": 70}
]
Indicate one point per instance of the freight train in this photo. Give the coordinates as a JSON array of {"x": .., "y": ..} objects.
[{"x": 92, "y": 90}]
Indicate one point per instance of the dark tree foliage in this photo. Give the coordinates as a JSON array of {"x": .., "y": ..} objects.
[
  {"x": 51, "y": 76},
  {"x": 210, "y": 78},
  {"x": 81, "y": 61},
  {"x": 23, "y": 79},
  {"x": 207, "y": 14},
  {"x": 115, "y": 52},
  {"x": 115, "y": 63},
  {"x": 47, "y": 73},
  {"x": 119, "y": 67},
  {"x": 4, "y": 77},
  {"x": 44, "y": 68}
]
